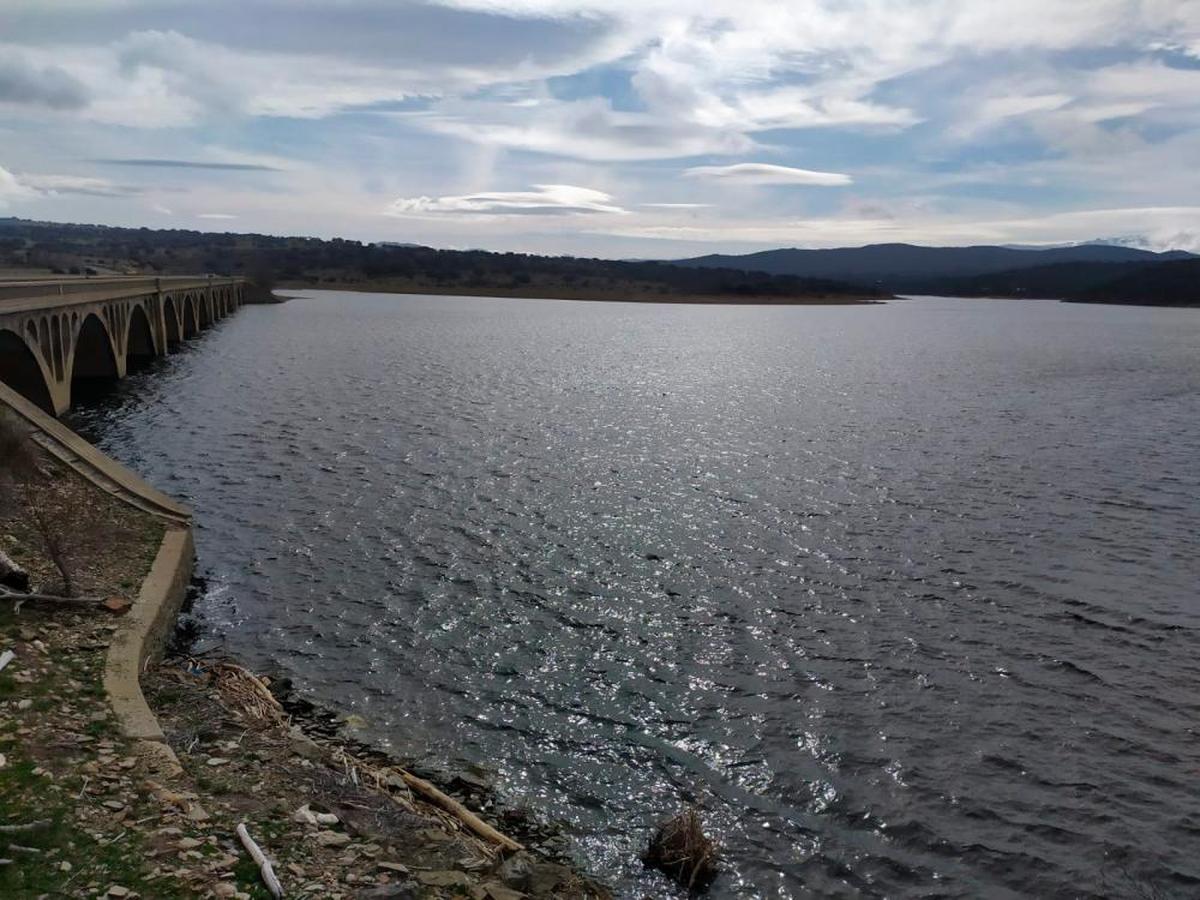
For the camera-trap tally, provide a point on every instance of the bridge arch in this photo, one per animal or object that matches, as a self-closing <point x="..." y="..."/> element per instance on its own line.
<point x="204" y="310"/>
<point x="21" y="371"/>
<point x="94" y="363"/>
<point x="191" y="322"/>
<point x="171" y="320"/>
<point x="140" y="346"/>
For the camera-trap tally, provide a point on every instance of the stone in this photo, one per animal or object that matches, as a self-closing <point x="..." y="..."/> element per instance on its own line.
<point x="117" y="890"/>
<point x="117" y="605"/>
<point x="496" y="891"/>
<point x="332" y="839"/>
<point x="197" y="813"/>
<point x="224" y="889"/>
<point x="545" y="877"/>
<point x="24" y="704"/>
<point x="302" y="745"/>
<point x="444" y="878"/>
<point x="188" y="843"/>
<point x="393" y="867"/>
<point x="515" y="870"/>
<point x="216" y="761"/>
<point x="405" y="890"/>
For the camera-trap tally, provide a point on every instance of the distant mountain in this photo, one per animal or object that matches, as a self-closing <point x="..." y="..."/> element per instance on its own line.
<point x="906" y="268"/>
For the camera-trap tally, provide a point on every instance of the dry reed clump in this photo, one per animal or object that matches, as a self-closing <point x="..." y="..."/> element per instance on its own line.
<point x="681" y="849"/>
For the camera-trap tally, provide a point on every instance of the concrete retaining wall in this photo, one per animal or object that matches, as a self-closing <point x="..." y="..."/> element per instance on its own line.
<point x="143" y="632"/>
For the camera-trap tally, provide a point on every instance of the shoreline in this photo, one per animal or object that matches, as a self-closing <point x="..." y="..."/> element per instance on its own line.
<point x="530" y="292"/>
<point x="173" y="776"/>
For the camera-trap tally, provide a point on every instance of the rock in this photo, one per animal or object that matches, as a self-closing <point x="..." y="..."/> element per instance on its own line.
<point x="515" y="870"/>
<point x="393" y="867"/>
<point x="24" y="704"/>
<point x="444" y="878"/>
<point x="302" y="745"/>
<point x="117" y="605"/>
<point x="216" y="761"/>
<point x="188" y="843"/>
<point x="224" y="889"/>
<point x="306" y="816"/>
<point x="117" y="890"/>
<point x="405" y="890"/>
<point x="114" y="804"/>
<point x="332" y="839"/>
<point x="197" y="813"/>
<point x="545" y="877"/>
<point x="476" y="781"/>
<point x="495" y="891"/>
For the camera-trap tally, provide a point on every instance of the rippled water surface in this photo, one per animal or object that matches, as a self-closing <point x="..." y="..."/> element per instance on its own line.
<point x="905" y="597"/>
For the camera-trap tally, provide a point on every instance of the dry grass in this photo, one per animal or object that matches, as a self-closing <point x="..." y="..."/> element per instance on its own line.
<point x="682" y="850"/>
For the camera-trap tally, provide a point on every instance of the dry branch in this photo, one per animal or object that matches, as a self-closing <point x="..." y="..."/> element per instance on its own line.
<point x="26" y="827"/>
<point x="20" y="597"/>
<point x="260" y="859"/>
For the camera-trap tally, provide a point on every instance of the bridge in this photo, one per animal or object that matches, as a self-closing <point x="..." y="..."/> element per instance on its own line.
<point x="59" y="335"/>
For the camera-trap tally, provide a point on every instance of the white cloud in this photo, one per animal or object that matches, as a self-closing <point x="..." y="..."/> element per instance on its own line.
<point x="29" y="186"/>
<point x="544" y="199"/>
<point x="1160" y="227"/>
<point x="766" y="173"/>
<point x="11" y="188"/>
<point x="77" y="184"/>
<point x="215" y="216"/>
<point x="581" y="129"/>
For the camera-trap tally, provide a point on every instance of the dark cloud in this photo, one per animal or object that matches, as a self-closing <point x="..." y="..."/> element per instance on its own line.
<point x="187" y="164"/>
<point x="49" y="86"/>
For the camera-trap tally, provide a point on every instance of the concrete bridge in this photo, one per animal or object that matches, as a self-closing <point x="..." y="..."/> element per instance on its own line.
<point x="59" y="335"/>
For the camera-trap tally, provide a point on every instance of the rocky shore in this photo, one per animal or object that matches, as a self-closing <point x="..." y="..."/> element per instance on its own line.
<point x="86" y="811"/>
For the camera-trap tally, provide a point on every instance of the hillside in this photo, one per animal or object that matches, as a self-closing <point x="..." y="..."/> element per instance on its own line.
<point x="905" y="268"/>
<point x="31" y="247"/>
<point x="1174" y="283"/>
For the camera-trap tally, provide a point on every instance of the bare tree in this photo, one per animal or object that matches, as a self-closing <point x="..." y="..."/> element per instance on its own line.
<point x="26" y="489"/>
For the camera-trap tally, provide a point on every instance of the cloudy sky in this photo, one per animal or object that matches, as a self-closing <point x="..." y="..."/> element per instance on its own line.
<point x="642" y="128"/>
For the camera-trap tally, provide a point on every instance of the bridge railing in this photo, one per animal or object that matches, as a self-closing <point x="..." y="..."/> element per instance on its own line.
<point x="51" y="288"/>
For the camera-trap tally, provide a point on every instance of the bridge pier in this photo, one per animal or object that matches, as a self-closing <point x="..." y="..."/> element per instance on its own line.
<point x="58" y="335"/>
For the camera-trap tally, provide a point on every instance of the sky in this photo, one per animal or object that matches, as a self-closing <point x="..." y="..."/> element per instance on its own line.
<point x="617" y="128"/>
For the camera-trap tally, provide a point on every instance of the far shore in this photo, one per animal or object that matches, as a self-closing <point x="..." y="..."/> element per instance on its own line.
<point x="536" y="292"/>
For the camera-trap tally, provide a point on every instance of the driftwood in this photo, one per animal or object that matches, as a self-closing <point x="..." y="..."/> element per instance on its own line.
<point x="253" y="695"/>
<point x="260" y="859"/>
<point x="452" y="806"/>
<point x="26" y="827"/>
<point x="22" y="597"/>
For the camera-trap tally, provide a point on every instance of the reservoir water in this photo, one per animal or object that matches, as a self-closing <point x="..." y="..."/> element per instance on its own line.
<point x="905" y="597"/>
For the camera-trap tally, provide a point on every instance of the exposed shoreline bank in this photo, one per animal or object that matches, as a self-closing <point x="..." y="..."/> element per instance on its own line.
<point x="173" y="776"/>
